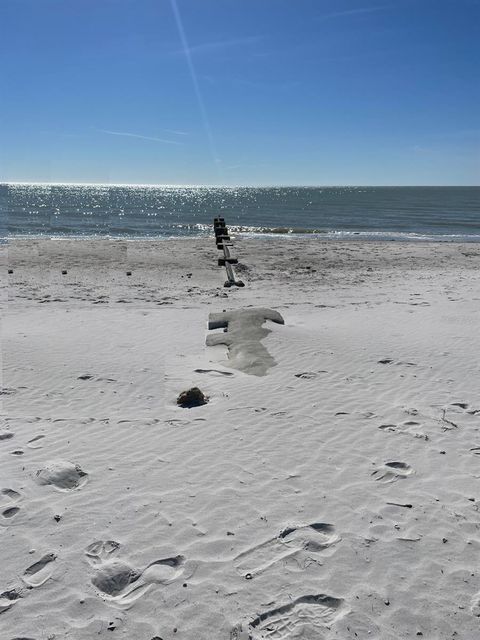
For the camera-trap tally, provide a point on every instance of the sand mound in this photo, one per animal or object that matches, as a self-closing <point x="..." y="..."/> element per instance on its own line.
<point x="243" y="335"/>
<point x="63" y="475"/>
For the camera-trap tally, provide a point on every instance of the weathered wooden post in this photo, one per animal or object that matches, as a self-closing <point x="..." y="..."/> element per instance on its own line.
<point x="223" y="242"/>
<point x="226" y="257"/>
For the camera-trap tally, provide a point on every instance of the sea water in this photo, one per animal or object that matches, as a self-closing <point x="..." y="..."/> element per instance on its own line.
<point x="145" y="211"/>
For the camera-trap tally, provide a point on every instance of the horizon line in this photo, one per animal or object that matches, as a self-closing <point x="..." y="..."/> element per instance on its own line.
<point x="228" y="186"/>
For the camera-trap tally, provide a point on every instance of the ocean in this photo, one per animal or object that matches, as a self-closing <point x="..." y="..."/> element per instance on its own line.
<point x="137" y="211"/>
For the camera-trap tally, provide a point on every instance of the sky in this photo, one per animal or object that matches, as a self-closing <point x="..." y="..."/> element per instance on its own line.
<point x="240" y="92"/>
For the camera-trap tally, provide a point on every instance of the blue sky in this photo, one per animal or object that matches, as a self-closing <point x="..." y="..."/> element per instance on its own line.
<point x="260" y="92"/>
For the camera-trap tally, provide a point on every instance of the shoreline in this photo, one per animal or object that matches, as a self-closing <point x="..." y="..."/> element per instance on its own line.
<point x="330" y="236"/>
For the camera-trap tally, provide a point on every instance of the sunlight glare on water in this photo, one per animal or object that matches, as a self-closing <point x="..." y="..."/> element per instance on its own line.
<point x="447" y="213"/>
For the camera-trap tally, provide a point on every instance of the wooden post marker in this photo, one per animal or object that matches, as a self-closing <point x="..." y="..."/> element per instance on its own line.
<point x="223" y="242"/>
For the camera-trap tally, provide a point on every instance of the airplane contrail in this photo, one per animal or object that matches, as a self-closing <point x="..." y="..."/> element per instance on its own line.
<point x="196" y="86"/>
<point x="137" y="135"/>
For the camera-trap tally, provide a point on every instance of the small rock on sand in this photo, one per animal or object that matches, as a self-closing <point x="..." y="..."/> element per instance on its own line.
<point x="192" y="398"/>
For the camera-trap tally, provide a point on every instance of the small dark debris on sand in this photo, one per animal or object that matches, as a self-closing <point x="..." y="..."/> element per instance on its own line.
<point x="398" y="504"/>
<point x="192" y="398"/>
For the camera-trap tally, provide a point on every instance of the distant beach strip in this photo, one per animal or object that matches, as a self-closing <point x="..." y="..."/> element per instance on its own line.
<point x="450" y="214"/>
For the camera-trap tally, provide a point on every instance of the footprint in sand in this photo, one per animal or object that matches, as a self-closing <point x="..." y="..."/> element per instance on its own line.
<point x="36" y="442"/>
<point x="392" y="471"/>
<point x="7" y="391"/>
<point x="476" y="605"/>
<point x="465" y="408"/>
<point x="397" y="362"/>
<point x="409" y="428"/>
<point x="399" y="427"/>
<point x="34" y="576"/>
<point x="38" y="573"/>
<point x="313" y="538"/>
<point x="8" y="599"/>
<point x="305" y="617"/>
<point x="214" y="371"/>
<point x="461" y="405"/>
<point x="8" y="498"/>
<point x="388" y="427"/>
<point x="63" y="475"/>
<point x="9" y="512"/>
<point x="306" y="375"/>
<point x="11" y="494"/>
<point x="101" y="550"/>
<point x="122" y="584"/>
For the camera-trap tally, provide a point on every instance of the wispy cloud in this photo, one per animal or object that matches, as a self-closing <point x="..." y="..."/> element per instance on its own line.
<point x="353" y="12"/>
<point x="176" y="132"/>
<point x="127" y="134"/>
<point x="218" y="45"/>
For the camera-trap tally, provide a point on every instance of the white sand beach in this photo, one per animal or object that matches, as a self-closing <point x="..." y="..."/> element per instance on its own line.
<point x="335" y="497"/>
